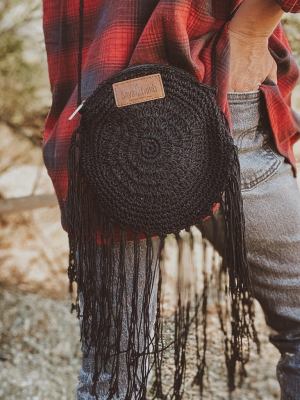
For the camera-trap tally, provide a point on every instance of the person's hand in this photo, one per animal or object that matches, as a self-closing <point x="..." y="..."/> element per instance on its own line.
<point x="250" y="62"/>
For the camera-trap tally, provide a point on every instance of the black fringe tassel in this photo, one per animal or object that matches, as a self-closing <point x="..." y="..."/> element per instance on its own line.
<point x="234" y="280"/>
<point x="104" y="289"/>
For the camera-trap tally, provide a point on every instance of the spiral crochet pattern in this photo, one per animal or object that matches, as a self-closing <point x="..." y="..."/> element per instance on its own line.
<point x="149" y="164"/>
<point x="158" y="167"/>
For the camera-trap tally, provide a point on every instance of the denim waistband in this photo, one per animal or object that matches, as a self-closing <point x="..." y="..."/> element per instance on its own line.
<point x="244" y="110"/>
<point x="241" y="97"/>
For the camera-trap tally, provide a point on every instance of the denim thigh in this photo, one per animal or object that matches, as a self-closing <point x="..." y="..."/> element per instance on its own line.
<point x="272" y="220"/>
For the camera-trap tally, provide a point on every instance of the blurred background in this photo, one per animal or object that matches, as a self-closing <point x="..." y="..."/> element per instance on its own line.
<point x="39" y="337"/>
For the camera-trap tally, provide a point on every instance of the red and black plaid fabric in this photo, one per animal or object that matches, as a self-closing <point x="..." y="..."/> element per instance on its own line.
<point x="289" y="5"/>
<point x="177" y="32"/>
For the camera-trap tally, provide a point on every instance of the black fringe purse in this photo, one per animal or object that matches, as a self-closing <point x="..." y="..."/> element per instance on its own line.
<point x="153" y="154"/>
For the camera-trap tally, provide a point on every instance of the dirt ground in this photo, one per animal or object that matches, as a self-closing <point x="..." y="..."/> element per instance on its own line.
<point x="40" y="353"/>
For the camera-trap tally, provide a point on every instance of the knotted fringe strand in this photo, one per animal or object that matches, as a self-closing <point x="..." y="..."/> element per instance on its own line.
<point x="182" y="325"/>
<point x="234" y="280"/>
<point x="190" y="304"/>
<point x="183" y="319"/>
<point x="157" y="388"/>
<point x="201" y="308"/>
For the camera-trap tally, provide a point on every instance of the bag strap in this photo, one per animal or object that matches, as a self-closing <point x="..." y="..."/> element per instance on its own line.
<point x="80" y="47"/>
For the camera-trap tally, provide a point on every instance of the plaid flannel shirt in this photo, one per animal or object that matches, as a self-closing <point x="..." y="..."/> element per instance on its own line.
<point x="119" y="33"/>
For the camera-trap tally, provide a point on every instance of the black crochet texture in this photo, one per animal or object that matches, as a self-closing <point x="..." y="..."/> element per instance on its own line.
<point x="157" y="167"/>
<point x="146" y="161"/>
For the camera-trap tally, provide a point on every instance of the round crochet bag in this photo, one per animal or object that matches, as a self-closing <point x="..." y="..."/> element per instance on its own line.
<point x="152" y="154"/>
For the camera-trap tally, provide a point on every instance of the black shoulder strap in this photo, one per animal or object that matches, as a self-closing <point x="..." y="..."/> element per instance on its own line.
<point x="80" y="46"/>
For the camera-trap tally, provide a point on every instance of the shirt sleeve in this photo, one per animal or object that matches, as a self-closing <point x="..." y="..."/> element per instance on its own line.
<point x="292" y="6"/>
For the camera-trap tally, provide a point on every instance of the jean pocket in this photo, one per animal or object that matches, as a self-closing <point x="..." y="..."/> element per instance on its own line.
<point x="258" y="157"/>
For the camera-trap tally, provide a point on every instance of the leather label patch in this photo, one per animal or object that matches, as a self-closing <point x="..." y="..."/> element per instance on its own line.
<point x="138" y="90"/>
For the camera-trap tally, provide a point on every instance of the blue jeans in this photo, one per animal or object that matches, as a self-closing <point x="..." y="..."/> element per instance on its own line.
<point x="272" y="220"/>
<point x="272" y="215"/>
